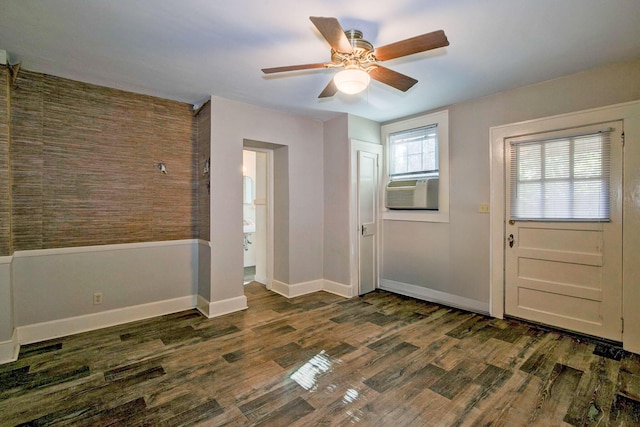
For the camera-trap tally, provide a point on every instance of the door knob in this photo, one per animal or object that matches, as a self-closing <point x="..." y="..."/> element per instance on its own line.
<point x="510" y="240"/>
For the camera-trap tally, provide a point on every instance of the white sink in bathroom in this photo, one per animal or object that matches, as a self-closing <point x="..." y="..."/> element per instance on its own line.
<point x="248" y="226"/>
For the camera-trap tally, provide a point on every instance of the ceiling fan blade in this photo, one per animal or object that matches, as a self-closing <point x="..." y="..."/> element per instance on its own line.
<point x="329" y="91"/>
<point x="392" y="78"/>
<point x="332" y="31"/>
<point x="413" y="45"/>
<point x="292" y="68"/>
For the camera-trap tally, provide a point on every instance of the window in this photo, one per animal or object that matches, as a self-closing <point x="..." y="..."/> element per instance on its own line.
<point x="562" y="178"/>
<point x="419" y="148"/>
<point x="414" y="153"/>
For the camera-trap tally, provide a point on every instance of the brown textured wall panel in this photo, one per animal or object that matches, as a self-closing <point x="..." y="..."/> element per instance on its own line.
<point x="85" y="166"/>
<point x="204" y="152"/>
<point x="5" y="237"/>
<point x="26" y="162"/>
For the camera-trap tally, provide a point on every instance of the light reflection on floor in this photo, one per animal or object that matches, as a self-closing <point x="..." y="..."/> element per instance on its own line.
<point x="308" y="374"/>
<point x="350" y="396"/>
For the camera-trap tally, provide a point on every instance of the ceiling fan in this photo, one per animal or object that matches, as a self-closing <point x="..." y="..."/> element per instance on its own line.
<point x="360" y="60"/>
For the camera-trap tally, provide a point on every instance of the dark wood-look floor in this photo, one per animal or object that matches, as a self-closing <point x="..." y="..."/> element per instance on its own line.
<point x="382" y="360"/>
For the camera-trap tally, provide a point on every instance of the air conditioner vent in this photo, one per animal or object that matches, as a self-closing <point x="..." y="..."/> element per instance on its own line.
<point x="412" y="194"/>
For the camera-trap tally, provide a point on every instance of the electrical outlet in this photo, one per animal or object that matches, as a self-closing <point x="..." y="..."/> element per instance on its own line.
<point x="97" y="298"/>
<point x="483" y="208"/>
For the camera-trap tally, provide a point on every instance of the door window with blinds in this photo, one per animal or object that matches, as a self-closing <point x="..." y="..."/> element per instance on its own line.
<point x="413" y="153"/>
<point x="561" y="178"/>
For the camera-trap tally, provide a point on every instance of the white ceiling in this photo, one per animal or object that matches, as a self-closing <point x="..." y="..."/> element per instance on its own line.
<point x="188" y="50"/>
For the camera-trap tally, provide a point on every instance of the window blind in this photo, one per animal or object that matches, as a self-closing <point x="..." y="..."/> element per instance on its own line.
<point x="414" y="152"/>
<point x="561" y="178"/>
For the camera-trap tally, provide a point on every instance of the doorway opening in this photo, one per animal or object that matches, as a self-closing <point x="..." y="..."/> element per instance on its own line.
<point x="254" y="215"/>
<point x="265" y="212"/>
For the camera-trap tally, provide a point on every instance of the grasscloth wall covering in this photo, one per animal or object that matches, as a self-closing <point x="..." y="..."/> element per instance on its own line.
<point x="4" y="164"/>
<point x="84" y="166"/>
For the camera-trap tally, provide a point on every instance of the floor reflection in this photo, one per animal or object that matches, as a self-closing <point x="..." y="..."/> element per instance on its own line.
<point x="307" y="374"/>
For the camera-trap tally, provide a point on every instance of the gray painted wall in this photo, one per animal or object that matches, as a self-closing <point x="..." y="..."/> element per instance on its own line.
<point x="281" y="214"/>
<point x="364" y="129"/>
<point x="204" y="270"/>
<point x="336" y="200"/>
<point x="203" y="144"/>
<point x="231" y="123"/>
<point x="337" y="181"/>
<point x="6" y="302"/>
<point x="454" y="257"/>
<point x="59" y="283"/>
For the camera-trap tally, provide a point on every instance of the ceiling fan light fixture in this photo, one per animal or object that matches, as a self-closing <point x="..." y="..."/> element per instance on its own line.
<point x="351" y="80"/>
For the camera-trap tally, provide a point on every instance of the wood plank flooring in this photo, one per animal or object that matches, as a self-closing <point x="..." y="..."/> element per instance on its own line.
<point x="320" y="360"/>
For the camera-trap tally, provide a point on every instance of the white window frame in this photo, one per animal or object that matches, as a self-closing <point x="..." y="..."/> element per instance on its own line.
<point x="441" y="119"/>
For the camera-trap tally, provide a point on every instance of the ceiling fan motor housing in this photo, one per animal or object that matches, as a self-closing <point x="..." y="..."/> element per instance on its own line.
<point x="362" y="54"/>
<point x="357" y="42"/>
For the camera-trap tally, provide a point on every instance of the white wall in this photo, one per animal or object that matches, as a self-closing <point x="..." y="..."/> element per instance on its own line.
<point x="453" y="258"/>
<point x="231" y="123"/>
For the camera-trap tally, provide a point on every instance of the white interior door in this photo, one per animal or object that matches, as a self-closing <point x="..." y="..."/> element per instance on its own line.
<point x="367" y="217"/>
<point x="567" y="273"/>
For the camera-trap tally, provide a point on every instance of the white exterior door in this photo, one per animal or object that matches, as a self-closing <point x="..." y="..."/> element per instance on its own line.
<point x="567" y="273"/>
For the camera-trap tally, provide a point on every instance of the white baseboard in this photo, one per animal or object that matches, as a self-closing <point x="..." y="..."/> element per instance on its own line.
<point x="280" y="288"/>
<point x="435" y="296"/>
<point x="73" y="325"/>
<point x="297" y="289"/>
<point x="337" y="288"/>
<point x="220" y="308"/>
<point x="304" y="288"/>
<point x="261" y="279"/>
<point x="202" y="305"/>
<point x="9" y="349"/>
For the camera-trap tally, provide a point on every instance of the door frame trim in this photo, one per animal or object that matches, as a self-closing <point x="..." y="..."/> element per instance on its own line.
<point x="354" y="249"/>
<point x="629" y="112"/>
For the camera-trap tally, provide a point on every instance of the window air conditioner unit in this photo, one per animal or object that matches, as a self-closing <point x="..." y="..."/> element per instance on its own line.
<point x="412" y="194"/>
